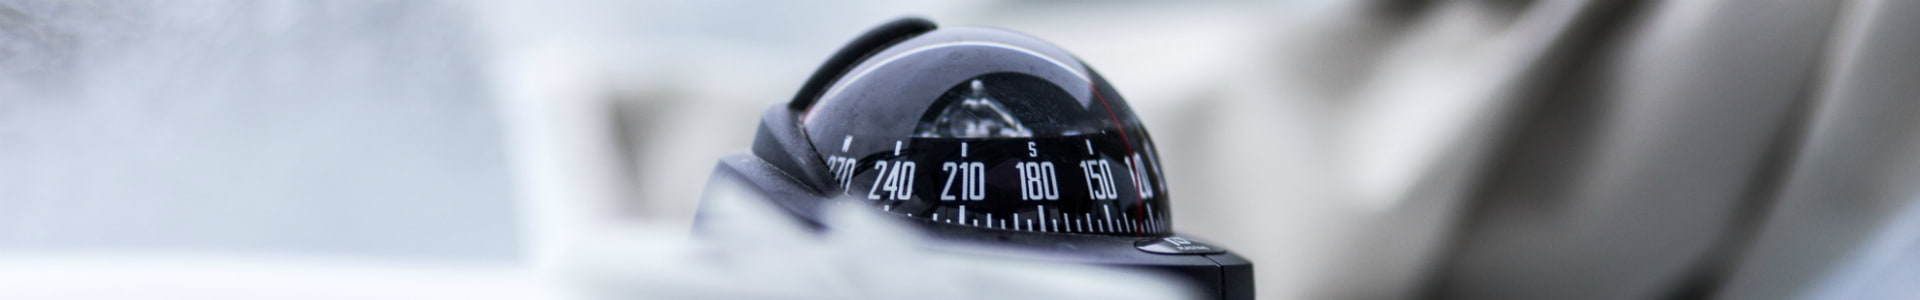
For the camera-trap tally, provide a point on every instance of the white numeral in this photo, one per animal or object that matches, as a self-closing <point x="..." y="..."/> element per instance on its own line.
<point x="1140" y="176"/>
<point x="897" y="182"/>
<point x="1099" y="179"/>
<point x="842" y="169"/>
<point x="1037" y="181"/>
<point x="973" y="181"/>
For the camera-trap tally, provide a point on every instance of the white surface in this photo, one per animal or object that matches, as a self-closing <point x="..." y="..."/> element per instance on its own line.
<point x="200" y="275"/>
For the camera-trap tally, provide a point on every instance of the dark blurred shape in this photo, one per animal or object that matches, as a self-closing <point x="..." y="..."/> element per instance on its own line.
<point x="1687" y="149"/>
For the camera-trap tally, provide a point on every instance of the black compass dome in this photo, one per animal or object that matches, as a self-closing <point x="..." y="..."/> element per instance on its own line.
<point x="989" y="128"/>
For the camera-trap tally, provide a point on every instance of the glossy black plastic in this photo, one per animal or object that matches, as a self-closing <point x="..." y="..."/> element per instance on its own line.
<point x="892" y="97"/>
<point x="1075" y="159"/>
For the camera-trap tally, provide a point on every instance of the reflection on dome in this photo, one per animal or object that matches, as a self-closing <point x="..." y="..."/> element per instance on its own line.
<point x="976" y="116"/>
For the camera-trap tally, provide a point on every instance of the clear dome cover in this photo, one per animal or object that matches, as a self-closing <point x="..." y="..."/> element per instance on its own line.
<point x="990" y="135"/>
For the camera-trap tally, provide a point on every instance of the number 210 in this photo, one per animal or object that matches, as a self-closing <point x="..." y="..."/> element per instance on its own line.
<point x="973" y="181"/>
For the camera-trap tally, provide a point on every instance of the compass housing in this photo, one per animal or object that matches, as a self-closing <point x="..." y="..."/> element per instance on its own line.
<point x="989" y="128"/>
<point x="984" y="138"/>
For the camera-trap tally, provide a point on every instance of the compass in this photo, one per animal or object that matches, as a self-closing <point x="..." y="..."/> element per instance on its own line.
<point x="982" y="137"/>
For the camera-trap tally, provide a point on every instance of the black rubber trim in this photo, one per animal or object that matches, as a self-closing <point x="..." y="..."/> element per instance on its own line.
<point x="867" y="44"/>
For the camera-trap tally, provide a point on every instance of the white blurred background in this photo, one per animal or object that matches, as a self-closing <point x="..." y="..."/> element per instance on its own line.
<point x="473" y="149"/>
<point x="415" y="146"/>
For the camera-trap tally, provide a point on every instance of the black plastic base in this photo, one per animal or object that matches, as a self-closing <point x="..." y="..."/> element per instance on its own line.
<point x="1214" y="276"/>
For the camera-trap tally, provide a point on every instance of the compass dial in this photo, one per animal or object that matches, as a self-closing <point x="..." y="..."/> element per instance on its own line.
<point x="1044" y="146"/>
